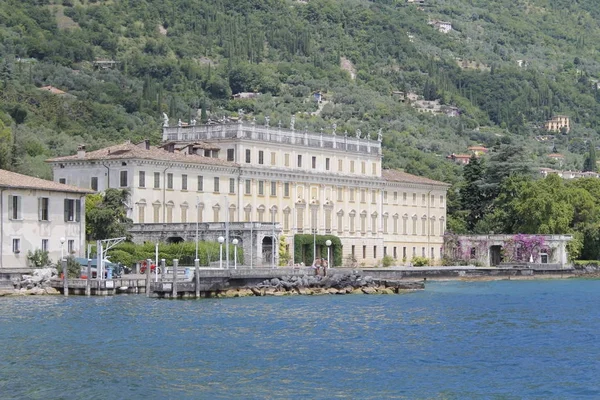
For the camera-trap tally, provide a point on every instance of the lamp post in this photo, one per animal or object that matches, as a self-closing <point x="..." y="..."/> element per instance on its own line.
<point x="328" y="243"/>
<point x="235" y="243"/>
<point x="62" y="243"/>
<point x="197" y="223"/>
<point x="221" y="240"/>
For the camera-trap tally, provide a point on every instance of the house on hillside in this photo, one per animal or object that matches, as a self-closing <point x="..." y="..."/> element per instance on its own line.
<point x="102" y="63"/>
<point x="462" y="159"/>
<point x="544" y="172"/>
<point x="558" y="123"/>
<point x="246" y="95"/>
<point x="36" y="214"/>
<point x="442" y="26"/>
<point x="478" y="150"/>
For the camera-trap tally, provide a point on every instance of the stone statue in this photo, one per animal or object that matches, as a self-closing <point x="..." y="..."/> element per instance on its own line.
<point x="165" y="120"/>
<point x="253" y="120"/>
<point x="369" y="135"/>
<point x="334" y="128"/>
<point x="267" y="118"/>
<point x="279" y="124"/>
<point x="293" y="122"/>
<point x="358" y="133"/>
<point x="241" y="114"/>
<point x="379" y="135"/>
<point x="193" y="122"/>
<point x="179" y="123"/>
<point x="346" y="133"/>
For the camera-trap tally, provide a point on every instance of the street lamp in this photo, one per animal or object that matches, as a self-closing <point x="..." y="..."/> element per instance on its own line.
<point x="328" y="243"/>
<point x="62" y="242"/>
<point x="221" y="240"/>
<point x="197" y="222"/>
<point x="235" y="243"/>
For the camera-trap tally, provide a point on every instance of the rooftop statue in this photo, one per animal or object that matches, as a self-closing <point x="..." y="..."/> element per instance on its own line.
<point x="165" y="120"/>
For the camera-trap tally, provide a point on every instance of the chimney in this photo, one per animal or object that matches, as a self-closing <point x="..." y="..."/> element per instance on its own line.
<point x="81" y="151"/>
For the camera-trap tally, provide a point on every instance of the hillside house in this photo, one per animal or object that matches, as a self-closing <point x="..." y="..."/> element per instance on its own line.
<point x="558" y="123"/>
<point x="442" y="26"/>
<point x="462" y="159"/>
<point x="246" y="95"/>
<point x="478" y="150"/>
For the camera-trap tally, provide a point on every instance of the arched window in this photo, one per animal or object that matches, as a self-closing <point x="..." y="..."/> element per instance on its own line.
<point x="184" y="212"/>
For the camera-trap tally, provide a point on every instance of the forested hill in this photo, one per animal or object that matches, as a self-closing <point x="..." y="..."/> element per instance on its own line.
<point x="506" y="65"/>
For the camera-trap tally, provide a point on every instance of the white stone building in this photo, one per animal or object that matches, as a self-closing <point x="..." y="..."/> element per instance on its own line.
<point x="305" y="182"/>
<point x="36" y="214"/>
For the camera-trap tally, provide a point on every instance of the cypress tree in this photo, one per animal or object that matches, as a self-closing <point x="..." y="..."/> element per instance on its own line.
<point x="590" y="162"/>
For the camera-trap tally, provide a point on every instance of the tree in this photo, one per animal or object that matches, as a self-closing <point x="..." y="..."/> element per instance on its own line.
<point x="590" y="161"/>
<point x="471" y="195"/>
<point x="108" y="218"/>
<point x="5" y="146"/>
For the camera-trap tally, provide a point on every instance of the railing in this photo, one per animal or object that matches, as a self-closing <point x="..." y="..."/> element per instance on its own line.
<point x="270" y="134"/>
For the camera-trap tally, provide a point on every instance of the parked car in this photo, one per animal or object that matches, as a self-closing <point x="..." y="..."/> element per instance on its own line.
<point x="117" y="269"/>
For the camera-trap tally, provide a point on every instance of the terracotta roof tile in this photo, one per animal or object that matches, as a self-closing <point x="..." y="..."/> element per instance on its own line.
<point x="129" y="150"/>
<point x="394" y="175"/>
<point x="10" y="179"/>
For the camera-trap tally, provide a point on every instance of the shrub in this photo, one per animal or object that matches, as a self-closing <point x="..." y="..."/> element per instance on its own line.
<point x="38" y="259"/>
<point x="419" y="261"/>
<point x="387" y="261"/>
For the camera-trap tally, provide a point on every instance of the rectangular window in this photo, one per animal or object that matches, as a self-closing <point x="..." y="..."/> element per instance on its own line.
<point x="62" y="180"/>
<point x="395" y="196"/>
<point x="183" y="182"/>
<point x="44" y="244"/>
<point x="432" y="203"/>
<point x="364" y="251"/>
<point x="374" y="251"/>
<point x="363" y="168"/>
<point x="94" y="183"/>
<point x="441" y="201"/>
<point x="16" y="246"/>
<point x="230" y="155"/>
<point x="287" y="160"/>
<point x="404" y="253"/>
<point x="363" y="196"/>
<point x="340" y="194"/>
<point x="299" y="161"/>
<point x="142" y="179"/>
<point x="273" y="158"/>
<point x="72" y="210"/>
<point x="353" y="251"/>
<point x="169" y="181"/>
<point x="373" y="196"/>
<point x="261" y="188"/>
<point x="327" y="164"/>
<point x="385" y="196"/>
<point x="351" y="194"/>
<point x="286" y="189"/>
<point x="200" y="183"/>
<point x="404" y="197"/>
<point x="314" y="162"/>
<point x="156" y="180"/>
<point x="414" y="199"/>
<point x="44" y="208"/>
<point x="231" y="185"/>
<point x="70" y="246"/>
<point x="248" y="186"/>
<point x="423" y="200"/>
<point x="261" y="157"/>
<point x="351" y="166"/>
<point x="14" y="207"/>
<point x="216" y="185"/>
<point x="340" y="165"/>
<point x="248" y="156"/>
<point x="273" y="188"/>
<point x="374" y="168"/>
<point x="123" y="179"/>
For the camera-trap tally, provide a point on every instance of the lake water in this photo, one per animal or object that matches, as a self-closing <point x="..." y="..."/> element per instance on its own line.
<point x="455" y="340"/>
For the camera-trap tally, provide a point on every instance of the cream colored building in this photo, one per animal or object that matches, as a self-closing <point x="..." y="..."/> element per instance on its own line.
<point x="242" y="172"/>
<point x="557" y="123"/>
<point x="36" y="214"/>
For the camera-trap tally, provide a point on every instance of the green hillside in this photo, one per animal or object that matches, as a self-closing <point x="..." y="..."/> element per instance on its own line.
<point x="178" y="56"/>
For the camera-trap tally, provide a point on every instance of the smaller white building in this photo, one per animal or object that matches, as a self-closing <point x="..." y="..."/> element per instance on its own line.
<point x="35" y="214"/>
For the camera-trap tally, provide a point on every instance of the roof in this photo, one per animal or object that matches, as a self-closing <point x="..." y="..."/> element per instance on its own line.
<point x="126" y="151"/>
<point x="13" y="180"/>
<point x="477" y="148"/>
<point x="394" y="175"/>
<point x="556" y="155"/>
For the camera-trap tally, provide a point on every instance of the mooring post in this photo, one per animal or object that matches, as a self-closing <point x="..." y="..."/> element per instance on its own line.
<point x="197" y="276"/>
<point x="88" y="282"/>
<point x="163" y="267"/>
<point x="65" y="277"/>
<point x="148" y="268"/>
<point x="175" y="264"/>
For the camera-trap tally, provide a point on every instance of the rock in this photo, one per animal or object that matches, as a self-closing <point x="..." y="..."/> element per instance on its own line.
<point x="6" y="293"/>
<point x="335" y="291"/>
<point x="256" y="291"/>
<point x="357" y="291"/>
<point x="245" y="292"/>
<point x="51" y="290"/>
<point x="36" y="291"/>
<point x="269" y="292"/>
<point x="275" y="282"/>
<point x="369" y="290"/>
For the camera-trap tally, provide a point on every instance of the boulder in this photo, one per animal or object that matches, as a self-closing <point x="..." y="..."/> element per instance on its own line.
<point x="51" y="290"/>
<point x="256" y="291"/>
<point x="369" y="290"/>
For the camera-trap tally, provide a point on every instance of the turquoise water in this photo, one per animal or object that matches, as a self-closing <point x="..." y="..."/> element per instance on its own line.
<point x="455" y="340"/>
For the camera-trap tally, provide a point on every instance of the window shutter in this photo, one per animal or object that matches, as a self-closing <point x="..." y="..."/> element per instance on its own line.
<point x="77" y="210"/>
<point x="39" y="208"/>
<point x="10" y="206"/>
<point x="66" y="210"/>
<point x="19" y="208"/>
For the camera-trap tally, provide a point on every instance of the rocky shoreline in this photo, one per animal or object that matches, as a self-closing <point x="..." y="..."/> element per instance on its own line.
<point x="321" y="285"/>
<point x="36" y="284"/>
